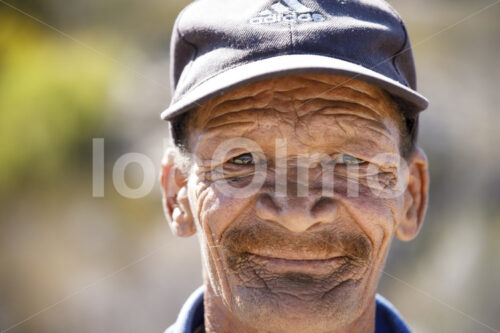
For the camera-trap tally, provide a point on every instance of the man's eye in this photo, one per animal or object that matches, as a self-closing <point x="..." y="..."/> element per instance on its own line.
<point x="347" y="160"/>
<point x="243" y="159"/>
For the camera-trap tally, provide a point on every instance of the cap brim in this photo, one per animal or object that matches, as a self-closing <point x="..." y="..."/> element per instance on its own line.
<point x="285" y="65"/>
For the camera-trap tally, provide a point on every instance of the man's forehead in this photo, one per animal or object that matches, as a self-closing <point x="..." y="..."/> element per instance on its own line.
<point x="297" y="95"/>
<point x="318" y="112"/>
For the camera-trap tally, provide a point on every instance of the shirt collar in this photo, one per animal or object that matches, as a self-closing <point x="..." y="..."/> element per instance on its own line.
<point x="190" y="318"/>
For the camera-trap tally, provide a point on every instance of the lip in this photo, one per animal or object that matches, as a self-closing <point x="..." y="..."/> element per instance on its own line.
<point x="306" y="266"/>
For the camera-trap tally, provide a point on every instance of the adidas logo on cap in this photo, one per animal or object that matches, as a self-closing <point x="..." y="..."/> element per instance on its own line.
<point x="294" y="11"/>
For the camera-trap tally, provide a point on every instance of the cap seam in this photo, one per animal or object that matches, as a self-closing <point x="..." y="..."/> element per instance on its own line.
<point x="394" y="57"/>
<point x="185" y="40"/>
<point x="399" y="51"/>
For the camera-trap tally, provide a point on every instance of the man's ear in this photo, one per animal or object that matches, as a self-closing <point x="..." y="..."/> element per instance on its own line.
<point x="415" y="197"/>
<point x="175" y="199"/>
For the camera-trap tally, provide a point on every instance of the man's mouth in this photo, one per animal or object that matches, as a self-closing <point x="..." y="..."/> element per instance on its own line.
<point x="264" y="253"/>
<point x="300" y="264"/>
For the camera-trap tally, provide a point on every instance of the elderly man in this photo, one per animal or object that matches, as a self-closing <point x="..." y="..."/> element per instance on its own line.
<point x="295" y="161"/>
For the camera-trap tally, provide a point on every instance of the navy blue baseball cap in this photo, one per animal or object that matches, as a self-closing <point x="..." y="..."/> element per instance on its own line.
<point x="219" y="45"/>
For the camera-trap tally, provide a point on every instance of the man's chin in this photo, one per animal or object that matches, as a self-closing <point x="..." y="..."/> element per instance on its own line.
<point x="296" y="303"/>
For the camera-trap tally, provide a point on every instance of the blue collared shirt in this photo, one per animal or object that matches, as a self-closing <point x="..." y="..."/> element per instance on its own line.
<point x="190" y="319"/>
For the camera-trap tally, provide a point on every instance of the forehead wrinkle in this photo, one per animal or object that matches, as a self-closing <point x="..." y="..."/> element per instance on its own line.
<point x="257" y="96"/>
<point x="249" y="108"/>
<point x="324" y="84"/>
<point x="316" y="89"/>
<point x="232" y="103"/>
<point x="290" y="98"/>
<point x="293" y="97"/>
<point x="366" y="121"/>
<point x="345" y="127"/>
<point x="347" y="116"/>
<point x="342" y="94"/>
<point x="339" y="88"/>
<point x="238" y="117"/>
<point x="331" y="107"/>
<point x="333" y="82"/>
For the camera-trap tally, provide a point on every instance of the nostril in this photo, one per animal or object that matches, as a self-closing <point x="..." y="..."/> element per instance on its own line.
<point x="297" y="214"/>
<point x="266" y="207"/>
<point x="322" y="205"/>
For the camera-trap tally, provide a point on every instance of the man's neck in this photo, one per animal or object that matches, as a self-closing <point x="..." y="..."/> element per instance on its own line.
<point x="219" y="319"/>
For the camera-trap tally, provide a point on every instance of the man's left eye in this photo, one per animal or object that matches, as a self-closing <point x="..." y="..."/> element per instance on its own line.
<point x="243" y="159"/>
<point x="347" y="160"/>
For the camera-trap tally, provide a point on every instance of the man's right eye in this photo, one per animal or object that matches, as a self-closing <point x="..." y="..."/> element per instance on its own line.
<point x="243" y="159"/>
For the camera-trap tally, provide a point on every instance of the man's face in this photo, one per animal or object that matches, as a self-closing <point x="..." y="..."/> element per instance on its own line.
<point x="302" y="251"/>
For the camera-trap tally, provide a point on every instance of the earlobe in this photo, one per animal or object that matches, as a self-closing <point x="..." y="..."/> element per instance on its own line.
<point x="415" y="197"/>
<point x="175" y="200"/>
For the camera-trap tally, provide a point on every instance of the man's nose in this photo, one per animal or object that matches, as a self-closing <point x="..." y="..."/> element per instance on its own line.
<point x="296" y="213"/>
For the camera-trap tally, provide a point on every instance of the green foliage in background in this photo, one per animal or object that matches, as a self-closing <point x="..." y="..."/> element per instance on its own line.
<point x="53" y="97"/>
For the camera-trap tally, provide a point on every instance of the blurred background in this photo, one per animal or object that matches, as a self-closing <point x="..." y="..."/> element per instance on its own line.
<point x="72" y="262"/>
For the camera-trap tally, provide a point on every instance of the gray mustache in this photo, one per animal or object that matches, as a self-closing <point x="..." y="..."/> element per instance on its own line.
<point x="245" y="238"/>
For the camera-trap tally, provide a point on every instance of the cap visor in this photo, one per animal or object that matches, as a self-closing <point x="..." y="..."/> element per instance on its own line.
<point x="285" y="65"/>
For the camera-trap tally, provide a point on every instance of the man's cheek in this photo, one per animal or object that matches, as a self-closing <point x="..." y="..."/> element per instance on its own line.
<point x="216" y="210"/>
<point x="377" y="217"/>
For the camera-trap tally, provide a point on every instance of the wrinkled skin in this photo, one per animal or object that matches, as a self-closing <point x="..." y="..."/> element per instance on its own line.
<point x="276" y="260"/>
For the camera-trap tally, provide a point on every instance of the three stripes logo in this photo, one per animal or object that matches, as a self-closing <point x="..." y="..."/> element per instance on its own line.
<point x="290" y="11"/>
